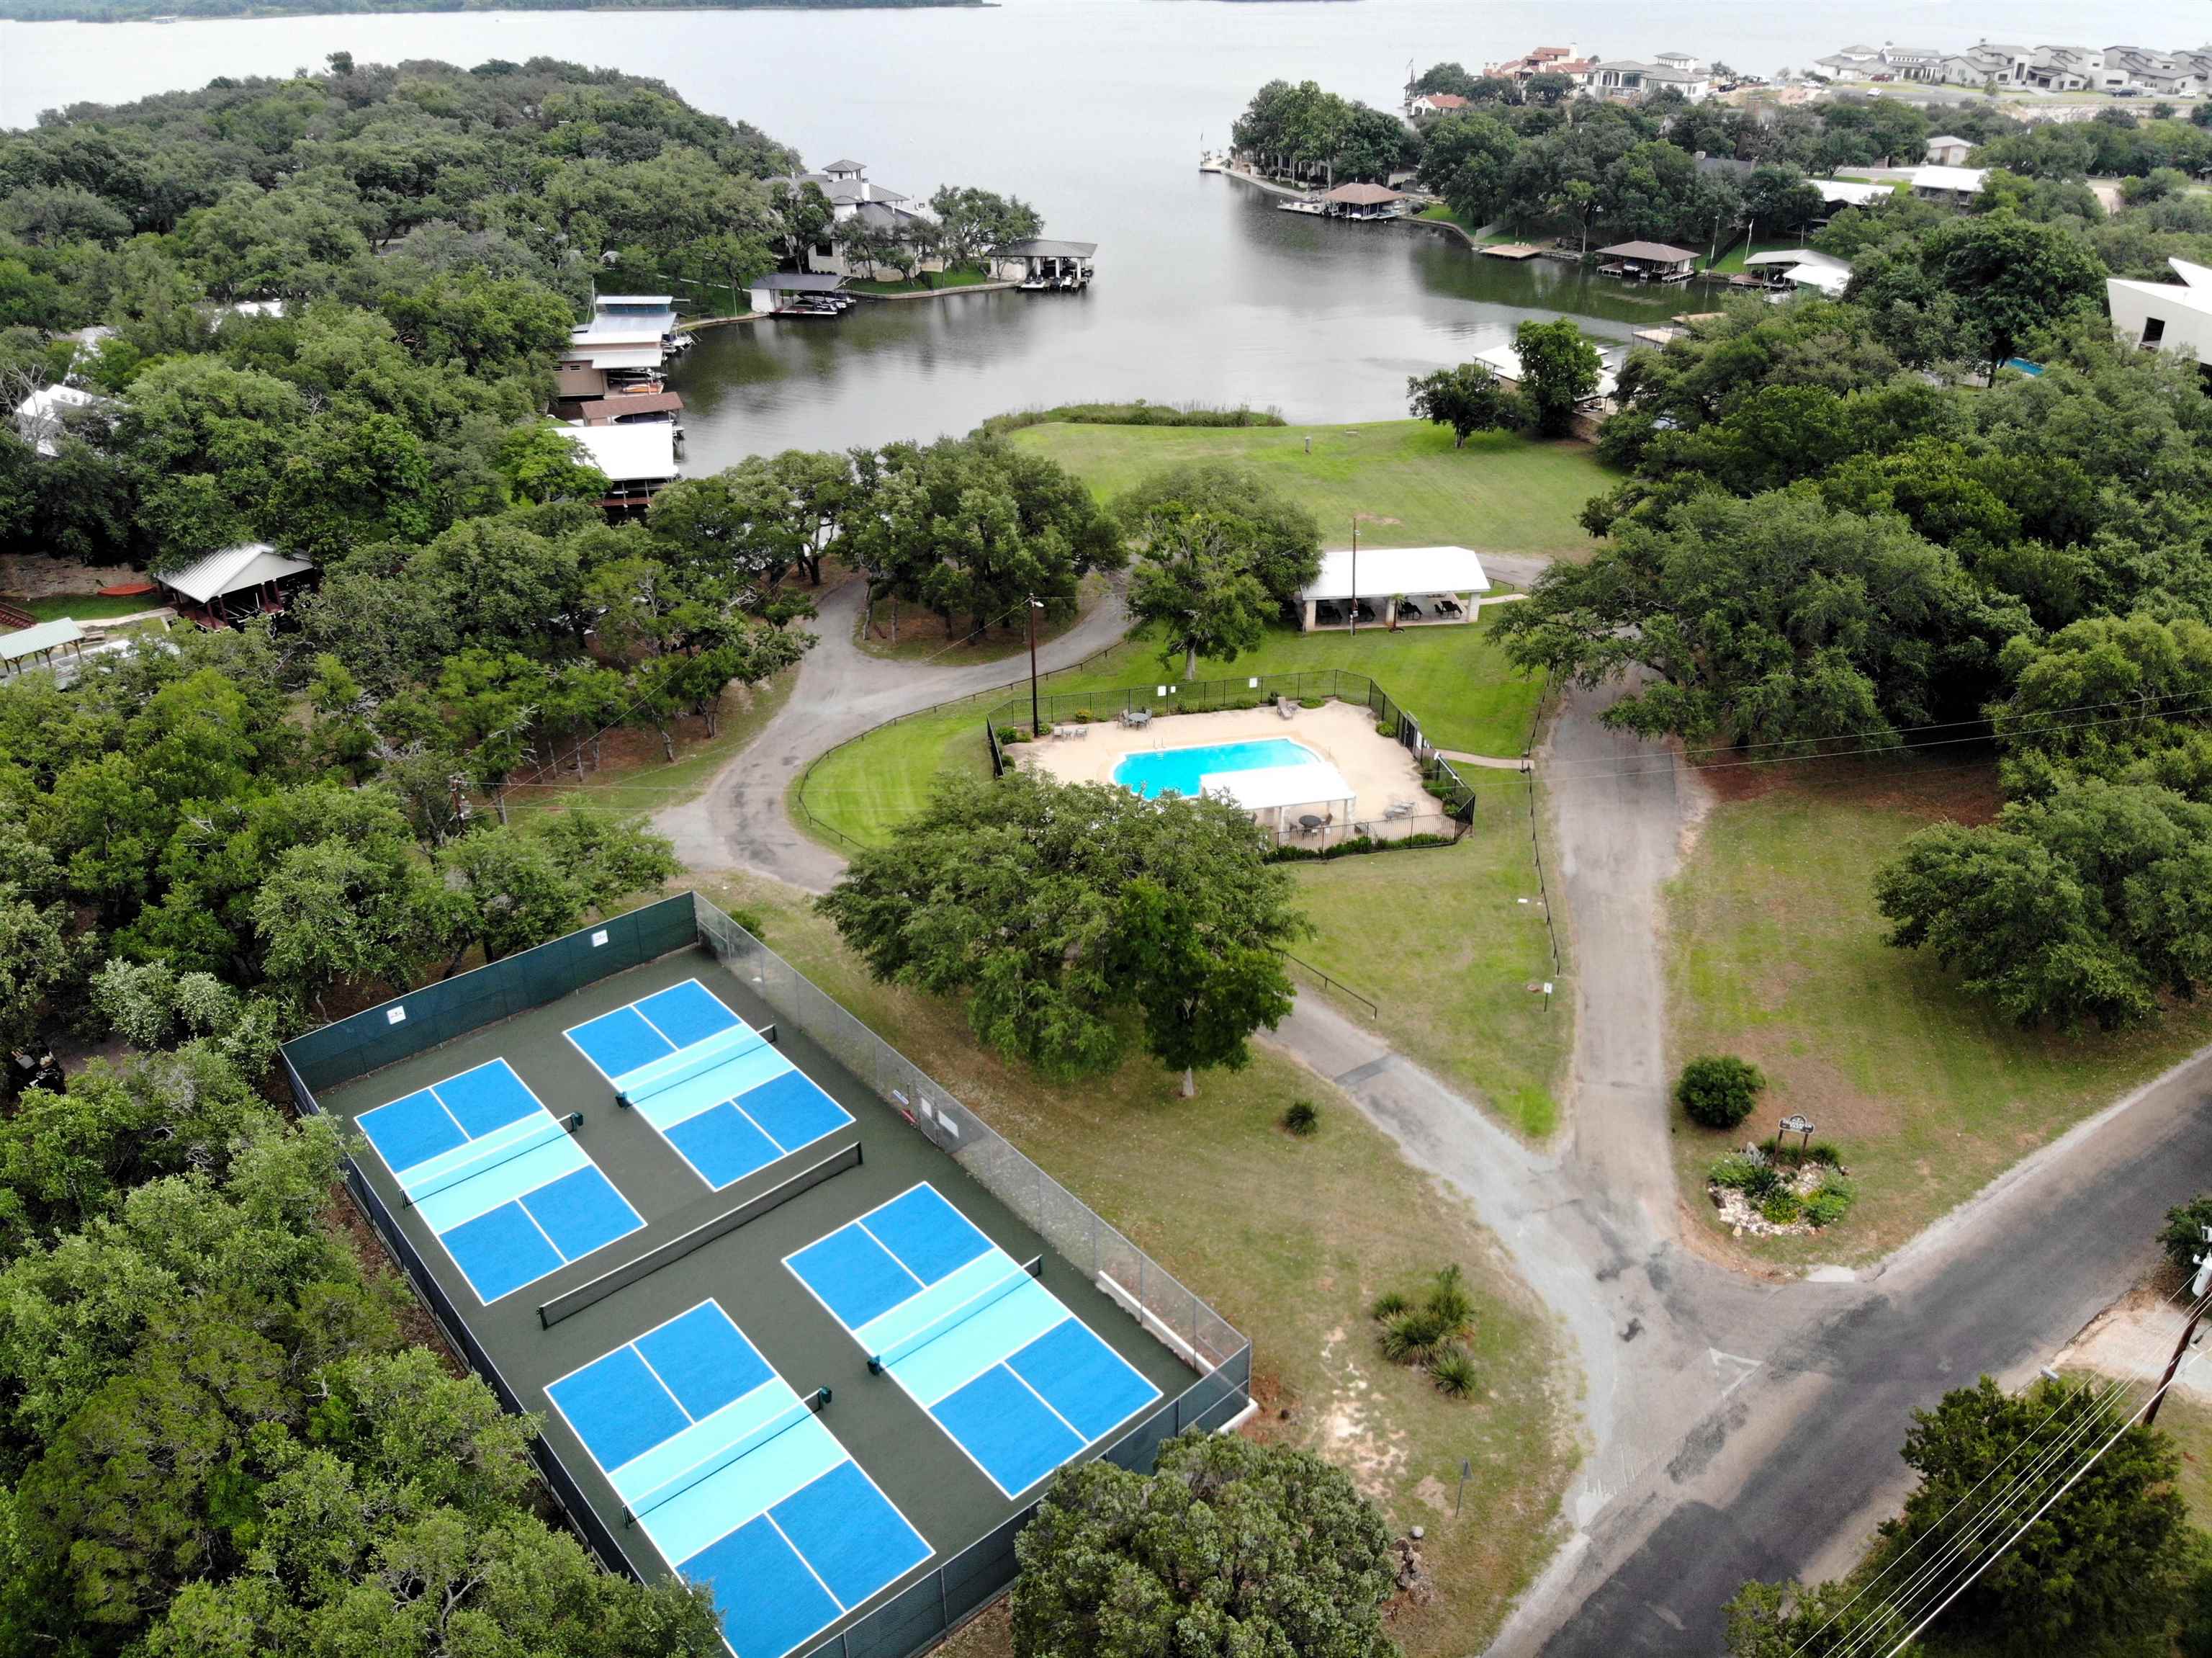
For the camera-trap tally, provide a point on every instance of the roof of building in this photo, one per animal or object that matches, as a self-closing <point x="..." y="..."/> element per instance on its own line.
<point x="2196" y="276"/>
<point x="628" y="454"/>
<point x="245" y="565"/>
<point x="1039" y="248"/>
<point x="800" y="282"/>
<point x="845" y="167"/>
<point x="1947" y="139"/>
<point x="1658" y="251"/>
<point x="602" y="300"/>
<point x="1364" y="195"/>
<point x="1386" y="571"/>
<point x="1966" y="179"/>
<point x="38" y="416"/>
<point x="1808" y="267"/>
<point x="46" y="635"/>
<point x="1852" y="192"/>
<point x="1504" y="362"/>
<point x="599" y="355"/>
<point x="619" y="332"/>
<point x="2189" y="299"/>
<point x="606" y="411"/>
<point x="1312" y="782"/>
<point x="1443" y="100"/>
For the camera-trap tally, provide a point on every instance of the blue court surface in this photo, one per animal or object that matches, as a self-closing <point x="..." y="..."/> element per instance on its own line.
<point x="736" y="1481"/>
<point x="499" y="1179"/>
<point x="1019" y="1382"/>
<point x="715" y="1089"/>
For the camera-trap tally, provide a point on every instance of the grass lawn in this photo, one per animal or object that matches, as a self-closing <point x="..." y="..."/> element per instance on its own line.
<point x="1502" y="493"/>
<point x="1289" y="1240"/>
<point x="922" y="635"/>
<point x="87" y="606"/>
<point x="1731" y="262"/>
<point x="1775" y="952"/>
<point x="1442" y="942"/>
<point x="935" y="281"/>
<point x="634" y="777"/>
<point x="1455" y="679"/>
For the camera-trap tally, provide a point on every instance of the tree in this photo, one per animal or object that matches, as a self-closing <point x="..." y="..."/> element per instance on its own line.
<point x="1284" y="544"/>
<point x="1468" y="398"/>
<point x="327" y="915"/>
<point x="2012" y="278"/>
<point x="512" y="893"/>
<point x="607" y="857"/>
<point x="2108" y="1560"/>
<point x="1220" y="554"/>
<point x="1558" y="370"/>
<point x="1229" y="1547"/>
<point x="1058" y="908"/>
<point x="1719" y="1090"/>
<point x="1465" y="158"/>
<point x="2183" y="1237"/>
<point x="540" y="464"/>
<point x="1790" y="1620"/>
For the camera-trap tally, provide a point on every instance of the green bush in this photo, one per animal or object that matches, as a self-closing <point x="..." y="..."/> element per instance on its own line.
<point x="1448" y="1301"/>
<point x="2183" y="1236"/>
<point x="1387" y="1306"/>
<point x="1454" y="1371"/>
<point x="1719" y="1090"/>
<point x="1780" y="1207"/>
<point x="1765" y="1180"/>
<point x="1301" y="1119"/>
<point x="1832" y="1201"/>
<point x="1735" y="1171"/>
<point x="1139" y="413"/>
<point x="1412" y="1336"/>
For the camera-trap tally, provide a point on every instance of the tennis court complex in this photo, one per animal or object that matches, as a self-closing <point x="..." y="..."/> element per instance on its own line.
<point x="737" y="1480"/>
<point x="1019" y="1381"/>
<point x="498" y="1178"/>
<point x="798" y="1326"/>
<point x="717" y="1090"/>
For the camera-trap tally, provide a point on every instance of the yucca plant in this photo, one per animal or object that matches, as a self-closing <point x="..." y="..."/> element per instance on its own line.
<point x="1301" y="1119"/>
<point x="1387" y="1305"/>
<point x="1454" y="1371"/>
<point x="1448" y="1301"/>
<point x="1412" y="1336"/>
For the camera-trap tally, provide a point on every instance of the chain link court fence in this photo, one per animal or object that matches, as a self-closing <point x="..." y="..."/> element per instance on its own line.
<point x="961" y="1586"/>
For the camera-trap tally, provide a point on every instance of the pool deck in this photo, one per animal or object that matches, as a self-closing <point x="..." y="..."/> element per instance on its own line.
<point x="1378" y="768"/>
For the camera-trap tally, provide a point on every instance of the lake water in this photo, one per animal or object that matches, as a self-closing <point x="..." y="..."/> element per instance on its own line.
<point x="1094" y="110"/>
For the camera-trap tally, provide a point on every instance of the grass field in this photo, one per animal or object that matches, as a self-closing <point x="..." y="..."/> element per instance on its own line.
<point x="936" y="282"/>
<point x="1442" y="941"/>
<point x="1731" y="262"/>
<point x="1502" y="493"/>
<point x="1776" y="953"/>
<point x="1455" y="679"/>
<point x="1289" y="1240"/>
<point x="87" y="606"/>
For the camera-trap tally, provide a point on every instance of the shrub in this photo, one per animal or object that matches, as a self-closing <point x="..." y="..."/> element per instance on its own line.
<point x="1719" y="1090"/>
<point x="1832" y="1201"/>
<point x="1412" y="1336"/>
<point x="1387" y="1306"/>
<point x="1301" y="1119"/>
<point x="1448" y="1301"/>
<point x="1384" y="728"/>
<point x="1780" y="1207"/>
<point x="1735" y="1171"/>
<point x="2183" y="1236"/>
<point x="1455" y="1373"/>
<point x="1765" y="1182"/>
<point x="1010" y="734"/>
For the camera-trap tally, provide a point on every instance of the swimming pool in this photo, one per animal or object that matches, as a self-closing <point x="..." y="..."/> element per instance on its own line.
<point x="1155" y="771"/>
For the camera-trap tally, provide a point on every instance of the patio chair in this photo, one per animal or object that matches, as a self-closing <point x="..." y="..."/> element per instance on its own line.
<point x="1408" y="608"/>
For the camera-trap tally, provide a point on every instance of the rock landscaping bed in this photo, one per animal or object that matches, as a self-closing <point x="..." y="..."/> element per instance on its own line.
<point x="1763" y="1193"/>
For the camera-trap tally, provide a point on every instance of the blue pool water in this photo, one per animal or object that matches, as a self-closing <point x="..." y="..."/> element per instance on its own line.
<point x="1158" y="771"/>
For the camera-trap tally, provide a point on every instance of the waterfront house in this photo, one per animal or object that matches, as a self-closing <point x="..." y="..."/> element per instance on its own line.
<point x="798" y="294"/>
<point x="226" y="587"/>
<point x="628" y="315"/>
<point x="1837" y="194"/>
<point x="1851" y="64"/>
<point x="1802" y="267"/>
<point x="1647" y="261"/>
<point x="2165" y="316"/>
<point x="638" y="460"/>
<point x="1435" y="103"/>
<point x="603" y="367"/>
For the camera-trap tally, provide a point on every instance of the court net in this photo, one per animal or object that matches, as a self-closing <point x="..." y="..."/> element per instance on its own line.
<point x="663" y="1074"/>
<point x="950" y="1319"/>
<point x="777" y="1425"/>
<point x="544" y="1135"/>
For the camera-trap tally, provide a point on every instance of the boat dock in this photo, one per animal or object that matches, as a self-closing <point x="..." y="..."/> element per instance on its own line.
<point x="1511" y="250"/>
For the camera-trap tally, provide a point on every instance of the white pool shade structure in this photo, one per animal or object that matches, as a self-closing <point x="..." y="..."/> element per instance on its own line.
<point x="1428" y="577"/>
<point x="1276" y="796"/>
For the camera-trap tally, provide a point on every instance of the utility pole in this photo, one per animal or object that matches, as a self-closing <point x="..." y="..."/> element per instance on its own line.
<point x="2197" y="1286"/>
<point x="1354" y="611"/>
<point x="1037" y="725"/>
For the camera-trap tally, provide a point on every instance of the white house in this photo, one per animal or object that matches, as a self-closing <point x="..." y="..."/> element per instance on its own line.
<point x="1837" y="194"/>
<point x="1945" y="150"/>
<point x="2163" y="316"/>
<point x="1955" y="185"/>
<point x="638" y="459"/>
<point x="41" y="418"/>
<point x="1435" y="103"/>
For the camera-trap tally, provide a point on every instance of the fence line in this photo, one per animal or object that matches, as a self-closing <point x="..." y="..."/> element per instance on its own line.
<point x="1336" y="984"/>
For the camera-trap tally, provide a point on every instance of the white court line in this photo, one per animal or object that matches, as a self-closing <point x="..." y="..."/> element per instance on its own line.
<point x="904" y="1267"/>
<point x="433" y="1091"/>
<point x="1040" y="1398"/>
<point x="674" y="1046"/>
<point x="673" y="1319"/>
<point x="928" y="1404"/>
<point x="797" y="1555"/>
<point x="541" y="1232"/>
<point x="687" y="1418"/>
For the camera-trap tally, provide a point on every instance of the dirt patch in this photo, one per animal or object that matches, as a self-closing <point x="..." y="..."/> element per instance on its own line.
<point x="345" y="1218"/>
<point x="1432" y="1491"/>
<point x="1374" y="1456"/>
<point x="2134" y="1338"/>
<point x="1810" y="1086"/>
<point x="38" y="575"/>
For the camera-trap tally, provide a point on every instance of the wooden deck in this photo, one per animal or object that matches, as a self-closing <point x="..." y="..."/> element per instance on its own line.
<point x="1511" y="250"/>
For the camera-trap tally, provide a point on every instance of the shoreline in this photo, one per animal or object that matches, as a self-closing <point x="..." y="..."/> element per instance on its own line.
<point x="266" y="15"/>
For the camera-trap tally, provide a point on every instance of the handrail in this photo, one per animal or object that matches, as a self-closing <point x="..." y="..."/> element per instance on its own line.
<point x="1374" y="1011"/>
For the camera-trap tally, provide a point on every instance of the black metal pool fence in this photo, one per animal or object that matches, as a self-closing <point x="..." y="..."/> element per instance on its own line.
<point x="962" y="1585"/>
<point x="1313" y="687"/>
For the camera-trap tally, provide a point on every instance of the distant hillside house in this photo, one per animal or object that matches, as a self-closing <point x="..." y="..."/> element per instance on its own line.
<point x="41" y="419"/>
<point x="1951" y="186"/>
<point x="1945" y="150"/>
<point x="1436" y="103"/>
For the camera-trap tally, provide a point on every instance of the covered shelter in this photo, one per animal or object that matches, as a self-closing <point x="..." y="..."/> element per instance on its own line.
<point x="1803" y="267"/>
<point x="1398" y="587"/>
<point x="225" y="588"/>
<point x="1647" y="261"/>
<point x="1504" y="360"/>
<point x="592" y="367"/>
<point x="773" y="294"/>
<point x="638" y="460"/>
<point x="34" y="646"/>
<point x="1363" y="201"/>
<point x="1045" y="263"/>
<point x="624" y="408"/>
<point x="1308" y="798"/>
